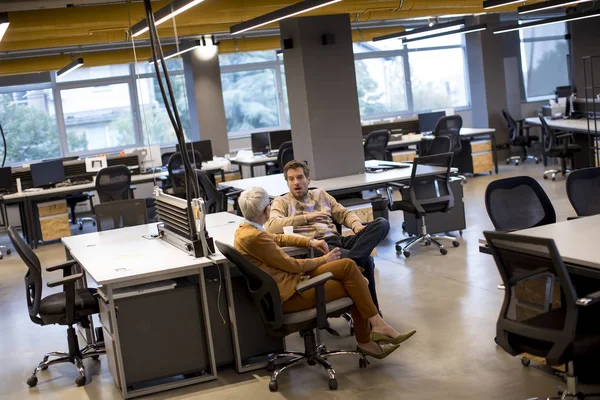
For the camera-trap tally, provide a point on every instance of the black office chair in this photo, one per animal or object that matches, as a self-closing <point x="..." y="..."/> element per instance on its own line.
<point x="450" y="127"/>
<point x="73" y="200"/>
<point x="375" y="146"/>
<point x="215" y="199"/>
<point x="439" y="145"/>
<point x="428" y="194"/>
<point x="518" y="203"/>
<point x="114" y="183"/>
<point x="176" y="170"/>
<point x="558" y="144"/>
<point x="121" y="214"/>
<point x="519" y="137"/>
<point x="164" y="158"/>
<point x="565" y="334"/>
<point x="266" y="297"/>
<point x="69" y="307"/>
<point x="285" y="155"/>
<point x="583" y="190"/>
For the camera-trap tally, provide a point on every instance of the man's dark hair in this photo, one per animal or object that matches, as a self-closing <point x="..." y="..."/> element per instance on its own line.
<point x="296" y="164"/>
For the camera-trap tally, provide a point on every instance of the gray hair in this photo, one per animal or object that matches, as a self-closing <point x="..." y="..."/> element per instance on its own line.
<point x="253" y="202"/>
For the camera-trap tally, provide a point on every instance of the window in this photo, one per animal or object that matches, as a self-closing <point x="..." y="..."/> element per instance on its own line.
<point x="156" y="125"/>
<point x="246" y="57"/>
<point x="438" y="79"/>
<point x="544" y="60"/>
<point x="381" y="86"/>
<point x="88" y="73"/>
<point x="98" y="117"/>
<point x="251" y="99"/>
<point x="29" y="123"/>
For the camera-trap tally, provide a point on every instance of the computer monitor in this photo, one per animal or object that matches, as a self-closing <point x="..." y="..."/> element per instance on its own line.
<point x="564" y="91"/>
<point x="47" y="173"/>
<point x="6" y="182"/>
<point x="277" y="138"/>
<point x="260" y="142"/>
<point x="428" y="121"/>
<point x="204" y="147"/>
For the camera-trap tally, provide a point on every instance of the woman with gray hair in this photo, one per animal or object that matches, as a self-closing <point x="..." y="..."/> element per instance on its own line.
<point x="264" y="251"/>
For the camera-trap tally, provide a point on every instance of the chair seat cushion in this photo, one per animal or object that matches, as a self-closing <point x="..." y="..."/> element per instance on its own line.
<point x="560" y="152"/>
<point x="524" y="141"/>
<point x="407" y="206"/>
<point x="55" y="304"/>
<point x="311" y="314"/>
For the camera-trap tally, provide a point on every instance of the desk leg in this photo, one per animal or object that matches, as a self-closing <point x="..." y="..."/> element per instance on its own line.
<point x="494" y="151"/>
<point x="209" y="338"/>
<point x="252" y="171"/>
<point x="31" y="225"/>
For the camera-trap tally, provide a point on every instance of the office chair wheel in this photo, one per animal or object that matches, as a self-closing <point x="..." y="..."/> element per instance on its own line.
<point x="398" y="248"/>
<point x="427" y="243"/>
<point x="404" y="227"/>
<point x="517" y="163"/>
<point x="8" y="251"/>
<point x="406" y="254"/>
<point x="333" y="384"/>
<point x="80" y="380"/>
<point x="460" y="233"/>
<point x="455" y="243"/>
<point x="1" y="256"/>
<point x="270" y="367"/>
<point x="362" y="363"/>
<point x="507" y="161"/>
<point x="443" y="251"/>
<point x="352" y="331"/>
<point x="310" y="362"/>
<point x="525" y="362"/>
<point x="32" y="381"/>
<point x="273" y="386"/>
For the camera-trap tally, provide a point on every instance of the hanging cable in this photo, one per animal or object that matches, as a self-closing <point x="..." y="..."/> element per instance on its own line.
<point x="4" y="142"/>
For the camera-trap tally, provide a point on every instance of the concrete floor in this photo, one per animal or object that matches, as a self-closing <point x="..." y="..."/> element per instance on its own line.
<point x="451" y="300"/>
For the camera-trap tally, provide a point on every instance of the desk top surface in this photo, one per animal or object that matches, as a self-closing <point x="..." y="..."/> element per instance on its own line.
<point x="575" y="125"/>
<point x="129" y="254"/>
<point x="275" y="185"/>
<point x="254" y="160"/>
<point x="576" y="240"/>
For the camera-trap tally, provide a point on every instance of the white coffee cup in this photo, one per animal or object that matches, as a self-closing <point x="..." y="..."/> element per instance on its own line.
<point x="288" y="230"/>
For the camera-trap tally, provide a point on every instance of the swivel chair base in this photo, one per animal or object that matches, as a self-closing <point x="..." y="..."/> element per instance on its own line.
<point x="425" y="238"/>
<point x="80" y="221"/>
<point x="518" y="159"/>
<point x="317" y="356"/>
<point x="4" y="249"/>
<point x="554" y="172"/>
<point x="74" y="356"/>
<point x="571" y="392"/>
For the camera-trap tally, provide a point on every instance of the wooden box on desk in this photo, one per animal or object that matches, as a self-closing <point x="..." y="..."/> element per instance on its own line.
<point x="54" y="220"/>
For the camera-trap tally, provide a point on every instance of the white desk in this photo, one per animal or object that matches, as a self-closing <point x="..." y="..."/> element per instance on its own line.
<point x="576" y="240"/>
<point x="255" y="161"/>
<point x="275" y="185"/>
<point x="570" y="125"/>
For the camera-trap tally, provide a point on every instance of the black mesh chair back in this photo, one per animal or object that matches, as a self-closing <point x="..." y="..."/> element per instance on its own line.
<point x="285" y="155"/>
<point x="552" y="142"/>
<point x="164" y="158"/>
<point x="121" y="214"/>
<point x="583" y="189"/>
<point x="113" y="183"/>
<point x="450" y="126"/>
<point x="262" y="287"/>
<point x="431" y="193"/>
<point x="518" y="203"/>
<point x="213" y="199"/>
<point x="525" y="262"/>
<point x="176" y="170"/>
<point x="375" y="146"/>
<point x="513" y="128"/>
<point x="439" y="145"/>
<point x="33" y="277"/>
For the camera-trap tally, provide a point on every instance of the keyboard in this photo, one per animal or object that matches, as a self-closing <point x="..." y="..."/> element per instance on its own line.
<point x="272" y="154"/>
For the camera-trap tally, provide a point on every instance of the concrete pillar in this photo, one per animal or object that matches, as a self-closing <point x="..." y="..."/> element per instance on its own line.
<point x="323" y="98"/>
<point x="487" y="79"/>
<point x="205" y="97"/>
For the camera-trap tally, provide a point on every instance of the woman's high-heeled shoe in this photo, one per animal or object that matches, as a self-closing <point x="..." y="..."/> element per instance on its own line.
<point x="380" y="356"/>
<point x="380" y="337"/>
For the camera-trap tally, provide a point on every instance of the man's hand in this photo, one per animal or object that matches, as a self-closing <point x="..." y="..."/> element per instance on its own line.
<point x="313" y="216"/>
<point x="320" y="245"/>
<point x="358" y="228"/>
<point x="333" y="255"/>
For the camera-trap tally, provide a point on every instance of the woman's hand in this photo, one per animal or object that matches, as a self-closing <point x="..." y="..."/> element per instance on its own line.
<point x="320" y="245"/>
<point x="333" y="255"/>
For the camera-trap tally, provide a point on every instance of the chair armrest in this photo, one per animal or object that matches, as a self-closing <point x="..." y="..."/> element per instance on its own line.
<point x="65" y="280"/>
<point x="572" y="218"/>
<point x="233" y="193"/>
<point x="589" y="299"/>
<point x="397" y="185"/>
<point x="65" y="267"/>
<point x="313" y="282"/>
<point x="563" y="135"/>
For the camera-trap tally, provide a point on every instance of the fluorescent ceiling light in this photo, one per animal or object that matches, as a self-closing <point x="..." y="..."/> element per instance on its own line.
<point x="183" y="48"/>
<point x="547" y="5"/>
<point x="549" y="21"/>
<point x="488" y="4"/>
<point x="4" y="23"/>
<point x="164" y="14"/>
<point x="278" y="15"/>
<point x="71" y="67"/>
<point x="425" y="31"/>
<point x="466" y="29"/>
